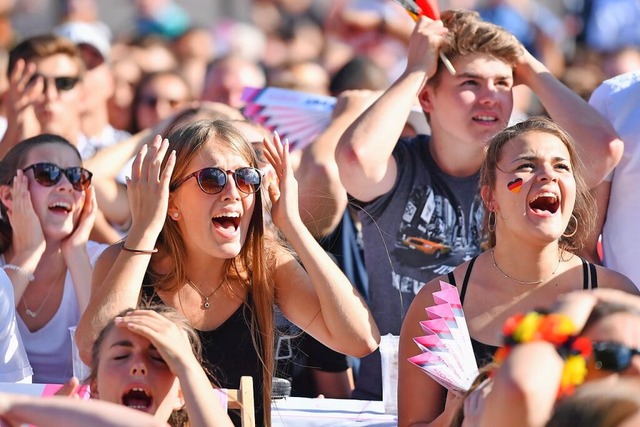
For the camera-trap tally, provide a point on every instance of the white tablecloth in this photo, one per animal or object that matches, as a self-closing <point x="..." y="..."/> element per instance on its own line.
<point x="303" y="412"/>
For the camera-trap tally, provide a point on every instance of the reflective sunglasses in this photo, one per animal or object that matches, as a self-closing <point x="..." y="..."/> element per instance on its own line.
<point x="213" y="180"/>
<point x="612" y="356"/>
<point x="62" y="83"/>
<point x="48" y="175"/>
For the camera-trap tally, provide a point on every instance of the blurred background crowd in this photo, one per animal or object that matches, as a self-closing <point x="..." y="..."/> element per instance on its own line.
<point x="302" y="43"/>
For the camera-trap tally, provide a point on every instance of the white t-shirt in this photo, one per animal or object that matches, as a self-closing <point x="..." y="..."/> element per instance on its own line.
<point x="14" y="364"/>
<point x="618" y="99"/>
<point x="49" y="348"/>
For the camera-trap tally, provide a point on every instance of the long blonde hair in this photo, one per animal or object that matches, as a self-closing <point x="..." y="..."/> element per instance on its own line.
<point x="253" y="266"/>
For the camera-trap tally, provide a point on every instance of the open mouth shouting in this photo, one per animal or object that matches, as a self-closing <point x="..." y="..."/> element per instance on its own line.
<point x="545" y="203"/>
<point x="137" y="398"/>
<point x="60" y="207"/>
<point x="226" y="223"/>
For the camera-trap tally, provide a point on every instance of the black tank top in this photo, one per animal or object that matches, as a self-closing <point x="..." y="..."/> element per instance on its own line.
<point x="484" y="352"/>
<point x="228" y="352"/>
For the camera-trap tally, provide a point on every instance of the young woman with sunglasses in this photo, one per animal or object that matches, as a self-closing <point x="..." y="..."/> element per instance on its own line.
<point x="539" y="212"/>
<point x="198" y="244"/>
<point x="48" y="209"/>
<point x="525" y="387"/>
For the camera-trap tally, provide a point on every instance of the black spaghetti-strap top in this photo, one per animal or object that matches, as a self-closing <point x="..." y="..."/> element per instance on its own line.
<point x="228" y="351"/>
<point x="484" y="352"/>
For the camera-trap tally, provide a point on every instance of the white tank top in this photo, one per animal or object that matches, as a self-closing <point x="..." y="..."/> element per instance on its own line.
<point x="49" y="348"/>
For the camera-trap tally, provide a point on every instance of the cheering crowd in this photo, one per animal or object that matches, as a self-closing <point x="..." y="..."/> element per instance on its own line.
<point x="192" y="246"/>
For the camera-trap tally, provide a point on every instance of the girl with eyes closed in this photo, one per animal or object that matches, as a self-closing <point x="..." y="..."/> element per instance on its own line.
<point x="47" y="208"/>
<point x="142" y="360"/>
<point x="145" y="368"/>
<point x="197" y="198"/>
<point x="539" y="213"/>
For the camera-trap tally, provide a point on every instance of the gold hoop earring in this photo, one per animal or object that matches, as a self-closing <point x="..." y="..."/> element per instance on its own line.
<point x="575" y="229"/>
<point x="491" y="225"/>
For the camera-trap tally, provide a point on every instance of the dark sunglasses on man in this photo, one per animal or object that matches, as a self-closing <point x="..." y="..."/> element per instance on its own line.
<point x="62" y="83"/>
<point x="213" y="180"/>
<point x="612" y="356"/>
<point x="48" y="175"/>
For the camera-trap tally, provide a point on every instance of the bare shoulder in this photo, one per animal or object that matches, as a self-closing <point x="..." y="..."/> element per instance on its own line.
<point x="611" y="279"/>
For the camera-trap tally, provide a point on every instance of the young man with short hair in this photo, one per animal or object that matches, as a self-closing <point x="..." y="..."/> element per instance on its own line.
<point x="399" y="183"/>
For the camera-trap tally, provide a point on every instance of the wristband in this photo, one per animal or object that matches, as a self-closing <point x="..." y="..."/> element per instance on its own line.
<point x="23" y="271"/>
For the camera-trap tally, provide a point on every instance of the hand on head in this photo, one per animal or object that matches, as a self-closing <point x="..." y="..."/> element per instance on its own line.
<point x="167" y="337"/>
<point x="148" y="187"/>
<point x="23" y="91"/>
<point x="80" y="235"/>
<point x="424" y="46"/>
<point x="27" y="229"/>
<point x="284" y="191"/>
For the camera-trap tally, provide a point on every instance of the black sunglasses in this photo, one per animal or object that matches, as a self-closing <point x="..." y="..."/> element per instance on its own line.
<point x="612" y="356"/>
<point x="48" y="175"/>
<point x="62" y="83"/>
<point x="213" y="180"/>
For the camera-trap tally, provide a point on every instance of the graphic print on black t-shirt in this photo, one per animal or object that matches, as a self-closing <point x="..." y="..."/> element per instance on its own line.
<point x="434" y="233"/>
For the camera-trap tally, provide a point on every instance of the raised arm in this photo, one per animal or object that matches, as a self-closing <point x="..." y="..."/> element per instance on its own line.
<point x="21" y="95"/>
<point x="56" y="411"/>
<point x="601" y="196"/>
<point x="74" y="250"/>
<point x="318" y="298"/>
<point x="599" y="147"/>
<point x="323" y="198"/>
<point x="364" y="153"/>
<point x="118" y="274"/>
<point x="28" y="243"/>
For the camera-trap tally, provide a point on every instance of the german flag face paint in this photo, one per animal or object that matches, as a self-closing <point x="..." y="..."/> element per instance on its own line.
<point x="515" y="185"/>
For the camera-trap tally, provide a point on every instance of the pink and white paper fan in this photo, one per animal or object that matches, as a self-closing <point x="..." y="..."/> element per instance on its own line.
<point x="447" y="355"/>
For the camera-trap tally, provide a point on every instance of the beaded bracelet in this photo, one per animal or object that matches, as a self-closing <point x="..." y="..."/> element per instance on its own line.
<point x="140" y="251"/>
<point x="23" y="271"/>
<point x="557" y="329"/>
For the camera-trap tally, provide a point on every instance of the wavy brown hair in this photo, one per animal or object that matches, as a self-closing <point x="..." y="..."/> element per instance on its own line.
<point x="584" y="208"/>
<point x="469" y="34"/>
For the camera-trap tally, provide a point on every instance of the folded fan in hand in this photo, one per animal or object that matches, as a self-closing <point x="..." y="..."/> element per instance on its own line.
<point x="447" y="355"/>
<point x="297" y="116"/>
<point x="300" y="117"/>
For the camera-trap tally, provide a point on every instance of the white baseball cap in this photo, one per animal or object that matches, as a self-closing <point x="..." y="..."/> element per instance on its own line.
<point x="93" y="35"/>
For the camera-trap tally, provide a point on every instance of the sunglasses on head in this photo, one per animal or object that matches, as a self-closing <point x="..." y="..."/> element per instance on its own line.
<point x="48" y="175"/>
<point x="62" y="83"/>
<point x="213" y="180"/>
<point x="612" y="356"/>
